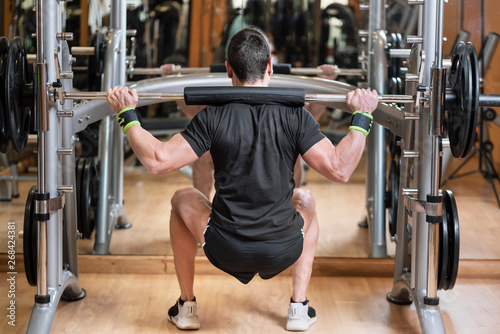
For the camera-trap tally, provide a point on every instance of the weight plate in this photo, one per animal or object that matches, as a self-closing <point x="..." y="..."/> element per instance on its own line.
<point x="394" y="63"/>
<point x="473" y="114"/>
<point x="461" y="117"/>
<point x="16" y="77"/>
<point x="393" y="191"/>
<point x="451" y="213"/>
<point x="30" y="239"/>
<point x="88" y="198"/>
<point x="443" y="251"/>
<point x="4" y="129"/>
<point x="95" y="66"/>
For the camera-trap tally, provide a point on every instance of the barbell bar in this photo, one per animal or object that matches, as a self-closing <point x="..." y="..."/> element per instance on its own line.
<point x="180" y="96"/>
<point x="296" y="71"/>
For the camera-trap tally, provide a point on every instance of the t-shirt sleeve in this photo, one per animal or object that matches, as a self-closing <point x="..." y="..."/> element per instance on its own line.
<point x="309" y="133"/>
<point x="197" y="133"/>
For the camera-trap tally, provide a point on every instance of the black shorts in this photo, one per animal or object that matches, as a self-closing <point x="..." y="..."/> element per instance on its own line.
<point x="243" y="258"/>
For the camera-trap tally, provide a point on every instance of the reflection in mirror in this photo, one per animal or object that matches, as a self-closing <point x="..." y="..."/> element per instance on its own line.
<point x="304" y="34"/>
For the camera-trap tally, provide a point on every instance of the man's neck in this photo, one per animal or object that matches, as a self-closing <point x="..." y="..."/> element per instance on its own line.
<point x="259" y="83"/>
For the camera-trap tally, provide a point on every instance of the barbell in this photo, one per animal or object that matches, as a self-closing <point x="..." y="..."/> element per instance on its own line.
<point x="277" y="68"/>
<point x="230" y="90"/>
<point x="461" y="100"/>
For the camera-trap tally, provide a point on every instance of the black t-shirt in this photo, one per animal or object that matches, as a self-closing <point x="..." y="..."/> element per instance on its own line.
<point x="254" y="149"/>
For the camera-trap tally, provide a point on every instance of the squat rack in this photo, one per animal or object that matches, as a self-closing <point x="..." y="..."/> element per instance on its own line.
<point x="58" y="266"/>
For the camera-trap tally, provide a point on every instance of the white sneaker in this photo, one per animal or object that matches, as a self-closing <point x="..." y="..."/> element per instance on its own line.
<point x="300" y="316"/>
<point x="184" y="315"/>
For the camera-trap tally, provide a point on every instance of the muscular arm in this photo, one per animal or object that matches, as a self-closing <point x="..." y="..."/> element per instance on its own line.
<point x="158" y="157"/>
<point x="338" y="163"/>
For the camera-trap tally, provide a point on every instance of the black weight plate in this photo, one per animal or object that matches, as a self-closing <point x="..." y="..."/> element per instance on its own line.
<point x="458" y="120"/>
<point x="474" y="67"/>
<point x="89" y="188"/>
<point x="451" y="213"/>
<point x="95" y="67"/>
<point x="443" y="251"/>
<point x="401" y="85"/>
<point x="30" y="239"/>
<point x="4" y="129"/>
<point x="394" y="195"/>
<point x="79" y="164"/>
<point x="16" y="77"/>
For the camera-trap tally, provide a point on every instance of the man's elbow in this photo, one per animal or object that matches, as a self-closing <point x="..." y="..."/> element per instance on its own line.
<point x="340" y="175"/>
<point x="156" y="167"/>
<point x="343" y="177"/>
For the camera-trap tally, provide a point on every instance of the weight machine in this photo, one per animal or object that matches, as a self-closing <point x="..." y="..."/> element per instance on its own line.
<point x="431" y="229"/>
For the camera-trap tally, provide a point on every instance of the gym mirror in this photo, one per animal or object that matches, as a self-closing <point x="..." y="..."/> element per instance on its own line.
<point x="304" y="34"/>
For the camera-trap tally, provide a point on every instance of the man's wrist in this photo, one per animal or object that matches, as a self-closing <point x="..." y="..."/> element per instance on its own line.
<point x="361" y="121"/>
<point x="127" y="117"/>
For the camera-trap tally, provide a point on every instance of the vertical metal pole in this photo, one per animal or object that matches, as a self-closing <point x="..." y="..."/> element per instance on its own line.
<point x="376" y="169"/>
<point x="111" y="137"/>
<point x="423" y="163"/>
<point x="68" y="171"/>
<point x="436" y="109"/>
<point x="119" y="23"/>
<point x="41" y="112"/>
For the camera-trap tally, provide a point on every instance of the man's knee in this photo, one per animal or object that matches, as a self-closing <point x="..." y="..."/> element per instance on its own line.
<point x="189" y="199"/>
<point x="181" y="196"/>
<point x="303" y="200"/>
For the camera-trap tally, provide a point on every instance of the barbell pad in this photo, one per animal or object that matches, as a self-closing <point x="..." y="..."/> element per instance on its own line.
<point x="220" y="95"/>
<point x="282" y="68"/>
<point x="218" y="68"/>
<point x="126" y="118"/>
<point x="361" y="121"/>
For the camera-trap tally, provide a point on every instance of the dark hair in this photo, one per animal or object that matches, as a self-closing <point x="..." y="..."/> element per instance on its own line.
<point x="248" y="54"/>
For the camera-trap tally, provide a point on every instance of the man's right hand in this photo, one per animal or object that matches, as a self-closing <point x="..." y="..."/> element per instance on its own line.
<point x="362" y="100"/>
<point x="168" y="69"/>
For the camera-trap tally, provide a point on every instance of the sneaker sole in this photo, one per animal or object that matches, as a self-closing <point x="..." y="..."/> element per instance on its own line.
<point x="183" y="325"/>
<point x="299" y="327"/>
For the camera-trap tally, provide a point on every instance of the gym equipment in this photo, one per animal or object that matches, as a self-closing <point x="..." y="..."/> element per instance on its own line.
<point x="449" y="243"/>
<point x="30" y="238"/>
<point x="87" y="195"/>
<point x="95" y="66"/>
<point x="277" y="68"/>
<point x="56" y="252"/>
<point x="392" y="196"/>
<point x="462" y="115"/>
<point x="394" y="42"/>
<point x="455" y="99"/>
<point x="4" y="129"/>
<point x="57" y="275"/>
<point x="16" y="80"/>
<point x="484" y="146"/>
<point x="232" y="91"/>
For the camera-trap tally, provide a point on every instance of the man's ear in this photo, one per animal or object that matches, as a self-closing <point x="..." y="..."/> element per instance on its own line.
<point x="270" y="66"/>
<point x="229" y="70"/>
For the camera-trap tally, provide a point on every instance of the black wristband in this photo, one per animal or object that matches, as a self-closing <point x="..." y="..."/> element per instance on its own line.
<point x="126" y="118"/>
<point x="361" y="121"/>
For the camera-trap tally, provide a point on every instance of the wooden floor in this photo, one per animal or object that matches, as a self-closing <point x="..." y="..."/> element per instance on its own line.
<point x="138" y="303"/>
<point x="340" y="207"/>
<point x="134" y="296"/>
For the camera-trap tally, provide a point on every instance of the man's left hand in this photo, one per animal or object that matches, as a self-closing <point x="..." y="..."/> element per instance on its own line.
<point x="121" y="97"/>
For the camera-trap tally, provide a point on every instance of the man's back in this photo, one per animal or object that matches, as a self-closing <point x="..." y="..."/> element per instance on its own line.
<point x="254" y="149"/>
